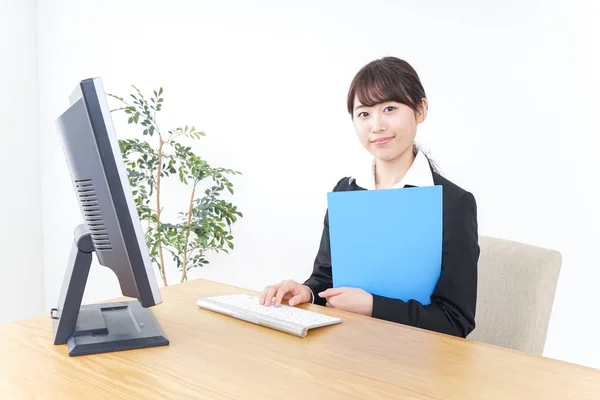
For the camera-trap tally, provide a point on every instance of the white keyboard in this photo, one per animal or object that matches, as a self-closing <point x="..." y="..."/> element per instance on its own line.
<point x="295" y="321"/>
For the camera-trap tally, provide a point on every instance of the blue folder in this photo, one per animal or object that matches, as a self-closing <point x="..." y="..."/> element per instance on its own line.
<point x="387" y="242"/>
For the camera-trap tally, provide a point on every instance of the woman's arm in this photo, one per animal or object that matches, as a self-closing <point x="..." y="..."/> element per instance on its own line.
<point x="321" y="278"/>
<point x="452" y="308"/>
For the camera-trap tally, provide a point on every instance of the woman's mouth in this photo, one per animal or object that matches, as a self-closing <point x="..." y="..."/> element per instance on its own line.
<point x="381" y="141"/>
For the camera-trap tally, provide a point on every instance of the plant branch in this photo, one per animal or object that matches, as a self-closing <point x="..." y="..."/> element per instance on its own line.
<point x="175" y="134"/>
<point x="158" y="210"/>
<point x="187" y="234"/>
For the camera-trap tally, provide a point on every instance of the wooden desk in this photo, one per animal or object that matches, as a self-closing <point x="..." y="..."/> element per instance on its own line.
<point x="212" y="356"/>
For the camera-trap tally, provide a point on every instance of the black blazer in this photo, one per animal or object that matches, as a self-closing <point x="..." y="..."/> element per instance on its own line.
<point x="452" y="308"/>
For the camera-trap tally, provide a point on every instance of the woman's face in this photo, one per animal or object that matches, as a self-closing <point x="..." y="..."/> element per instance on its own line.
<point x="387" y="129"/>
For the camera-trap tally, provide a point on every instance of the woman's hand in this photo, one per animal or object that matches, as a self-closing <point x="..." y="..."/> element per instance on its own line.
<point x="349" y="299"/>
<point x="295" y="292"/>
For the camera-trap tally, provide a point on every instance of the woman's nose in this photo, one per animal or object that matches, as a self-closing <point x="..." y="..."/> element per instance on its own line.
<point x="377" y="125"/>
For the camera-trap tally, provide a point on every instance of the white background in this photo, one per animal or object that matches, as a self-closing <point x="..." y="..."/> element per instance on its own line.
<point x="512" y="95"/>
<point x="21" y="262"/>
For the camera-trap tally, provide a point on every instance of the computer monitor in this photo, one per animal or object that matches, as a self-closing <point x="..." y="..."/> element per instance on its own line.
<point x="111" y="229"/>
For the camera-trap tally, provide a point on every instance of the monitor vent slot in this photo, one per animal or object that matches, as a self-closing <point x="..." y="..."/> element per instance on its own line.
<point x="92" y="214"/>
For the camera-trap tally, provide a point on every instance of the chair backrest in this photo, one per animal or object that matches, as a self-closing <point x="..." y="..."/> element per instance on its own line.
<point x="516" y="287"/>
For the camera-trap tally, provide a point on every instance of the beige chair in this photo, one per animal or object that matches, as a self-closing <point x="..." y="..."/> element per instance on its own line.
<point x="516" y="286"/>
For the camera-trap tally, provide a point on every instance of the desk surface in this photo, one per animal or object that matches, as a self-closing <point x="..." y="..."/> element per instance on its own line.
<point x="212" y="356"/>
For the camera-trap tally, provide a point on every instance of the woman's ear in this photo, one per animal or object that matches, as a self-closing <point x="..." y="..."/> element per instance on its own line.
<point x="422" y="114"/>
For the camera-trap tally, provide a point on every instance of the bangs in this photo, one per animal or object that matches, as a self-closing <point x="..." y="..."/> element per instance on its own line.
<point x="377" y="83"/>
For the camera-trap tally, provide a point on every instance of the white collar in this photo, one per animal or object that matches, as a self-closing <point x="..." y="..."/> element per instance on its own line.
<point x="419" y="174"/>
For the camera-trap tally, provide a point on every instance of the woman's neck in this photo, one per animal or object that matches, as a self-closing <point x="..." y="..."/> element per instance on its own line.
<point x="389" y="173"/>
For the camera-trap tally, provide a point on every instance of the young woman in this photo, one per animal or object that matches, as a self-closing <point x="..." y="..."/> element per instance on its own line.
<point x="387" y="102"/>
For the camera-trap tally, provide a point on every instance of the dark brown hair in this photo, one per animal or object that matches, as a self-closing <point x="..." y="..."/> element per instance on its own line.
<point x="386" y="79"/>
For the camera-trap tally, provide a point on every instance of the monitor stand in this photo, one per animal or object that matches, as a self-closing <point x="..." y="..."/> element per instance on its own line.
<point x="98" y="328"/>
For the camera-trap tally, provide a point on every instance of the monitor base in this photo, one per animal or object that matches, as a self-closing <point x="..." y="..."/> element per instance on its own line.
<point x="98" y="328"/>
<point x="112" y="327"/>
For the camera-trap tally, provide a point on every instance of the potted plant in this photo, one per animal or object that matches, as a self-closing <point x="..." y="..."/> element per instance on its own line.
<point x="205" y="226"/>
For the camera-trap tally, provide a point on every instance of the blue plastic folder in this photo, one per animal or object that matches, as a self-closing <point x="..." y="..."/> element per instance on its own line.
<point x="387" y="242"/>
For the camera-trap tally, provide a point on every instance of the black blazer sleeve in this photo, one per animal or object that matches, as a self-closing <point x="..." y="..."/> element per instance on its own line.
<point x="321" y="278"/>
<point x="452" y="308"/>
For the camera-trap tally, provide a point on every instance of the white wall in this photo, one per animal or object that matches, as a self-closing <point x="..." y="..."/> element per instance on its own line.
<point x="21" y="293"/>
<point x="511" y="119"/>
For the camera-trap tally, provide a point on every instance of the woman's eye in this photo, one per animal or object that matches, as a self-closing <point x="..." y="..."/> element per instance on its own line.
<point x="363" y="114"/>
<point x="390" y="108"/>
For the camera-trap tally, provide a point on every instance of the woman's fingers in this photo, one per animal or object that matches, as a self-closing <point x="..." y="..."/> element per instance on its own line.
<point x="268" y="293"/>
<point x="332" y="292"/>
<point x="282" y="291"/>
